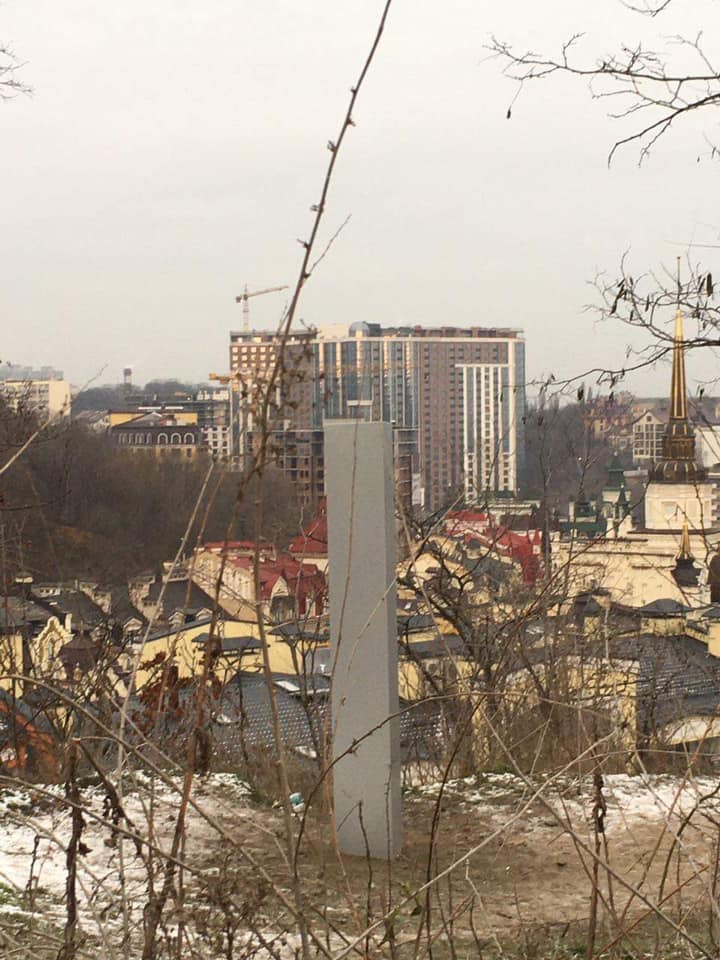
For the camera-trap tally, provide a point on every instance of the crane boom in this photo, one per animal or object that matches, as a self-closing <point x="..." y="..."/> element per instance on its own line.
<point x="256" y="293"/>
<point x="245" y="296"/>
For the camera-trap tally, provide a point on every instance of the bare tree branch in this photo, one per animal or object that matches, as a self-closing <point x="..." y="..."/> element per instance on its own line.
<point x="10" y="85"/>
<point x="645" y="80"/>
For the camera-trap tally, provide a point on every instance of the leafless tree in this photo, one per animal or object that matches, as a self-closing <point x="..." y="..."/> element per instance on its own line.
<point x="652" y="89"/>
<point x="10" y="83"/>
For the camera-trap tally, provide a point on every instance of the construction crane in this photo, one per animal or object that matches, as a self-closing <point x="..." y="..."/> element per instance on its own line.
<point x="245" y="296"/>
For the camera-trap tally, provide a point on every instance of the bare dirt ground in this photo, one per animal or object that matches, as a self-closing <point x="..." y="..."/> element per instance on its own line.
<point x="528" y="882"/>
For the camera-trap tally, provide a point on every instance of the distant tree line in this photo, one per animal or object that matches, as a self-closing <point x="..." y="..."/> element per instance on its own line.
<point x="113" y="396"/>
<point x="74" y="505"/>
<point x="564" y="458"/>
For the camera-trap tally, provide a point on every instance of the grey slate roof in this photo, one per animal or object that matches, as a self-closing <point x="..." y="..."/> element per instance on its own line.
<point x="85" y="613"/>
<point x="711" y="612"/>
<point x="122" y="608"/>
<point x="242" y="717"/>
<point x="486" y="568"/>
<point x="436" y="647"/>
<point x="176" y="596"/>
<point x="168" y="630"/>
<point x="17" y="611"/>
<point x="413" y="622"/>
<point x="315" y="628"/>
<point x="246" y="644"/>
<point x="676" y="676"/>
<point x="664" y="608"/>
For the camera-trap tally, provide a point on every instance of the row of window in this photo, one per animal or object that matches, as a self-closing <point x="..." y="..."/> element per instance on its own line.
<point x="140" y="439"/>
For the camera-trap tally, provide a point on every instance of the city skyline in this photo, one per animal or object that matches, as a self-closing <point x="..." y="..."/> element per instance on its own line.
<point x="127" y="243"/>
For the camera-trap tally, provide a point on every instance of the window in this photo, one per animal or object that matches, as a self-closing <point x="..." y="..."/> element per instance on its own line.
<point x="189" y="438"/>
<point x="175" y="438"/>
<point x="162" y="438"/>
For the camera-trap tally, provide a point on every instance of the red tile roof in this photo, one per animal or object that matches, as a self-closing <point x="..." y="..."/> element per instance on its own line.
<point x="522" y="548"/>
<point x="312" y="542"/>
<point x="305" y="581"/>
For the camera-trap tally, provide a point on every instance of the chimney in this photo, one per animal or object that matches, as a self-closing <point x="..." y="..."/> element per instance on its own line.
<point x="68" y="623"/>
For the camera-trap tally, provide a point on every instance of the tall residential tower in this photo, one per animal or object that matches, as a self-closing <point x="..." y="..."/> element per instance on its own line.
<point x="455" y="397"/>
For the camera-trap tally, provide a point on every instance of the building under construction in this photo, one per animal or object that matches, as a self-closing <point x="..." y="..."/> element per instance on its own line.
<point x="455" y="396"/>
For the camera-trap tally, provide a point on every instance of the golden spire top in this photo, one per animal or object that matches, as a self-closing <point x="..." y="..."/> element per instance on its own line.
<point x="678" y="389"/>
<point x="685" y="573"/>
<point x="685" y="548"/>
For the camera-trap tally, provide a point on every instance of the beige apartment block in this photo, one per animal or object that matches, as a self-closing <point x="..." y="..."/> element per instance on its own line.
<point x="48" y="398"/>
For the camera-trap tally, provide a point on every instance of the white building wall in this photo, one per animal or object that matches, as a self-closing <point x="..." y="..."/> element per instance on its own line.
<point x="216" y="438"/>
<point x="707" y="444"/>
<point x="487" y="465"/>
<point x="669" y="505"/>
<point x="635" y="569"/>
<point x="648" y="431"/>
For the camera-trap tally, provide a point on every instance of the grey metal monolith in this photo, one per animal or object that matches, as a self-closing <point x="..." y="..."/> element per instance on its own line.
<point x="362" y="551"/>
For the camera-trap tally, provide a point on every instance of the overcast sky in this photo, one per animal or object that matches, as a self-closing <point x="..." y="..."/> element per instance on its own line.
<point x="172" y="148"/>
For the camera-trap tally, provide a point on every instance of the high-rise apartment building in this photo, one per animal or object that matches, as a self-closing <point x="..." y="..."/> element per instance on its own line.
<point x="455" y="396"/>
<point x="261" y="365"/>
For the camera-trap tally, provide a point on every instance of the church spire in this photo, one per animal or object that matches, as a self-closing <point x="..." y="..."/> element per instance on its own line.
<point x="678" y="389"/>
<point x="678" y="460"/>
<point x="685" y="548"/>
<point x="685" y="573"/>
